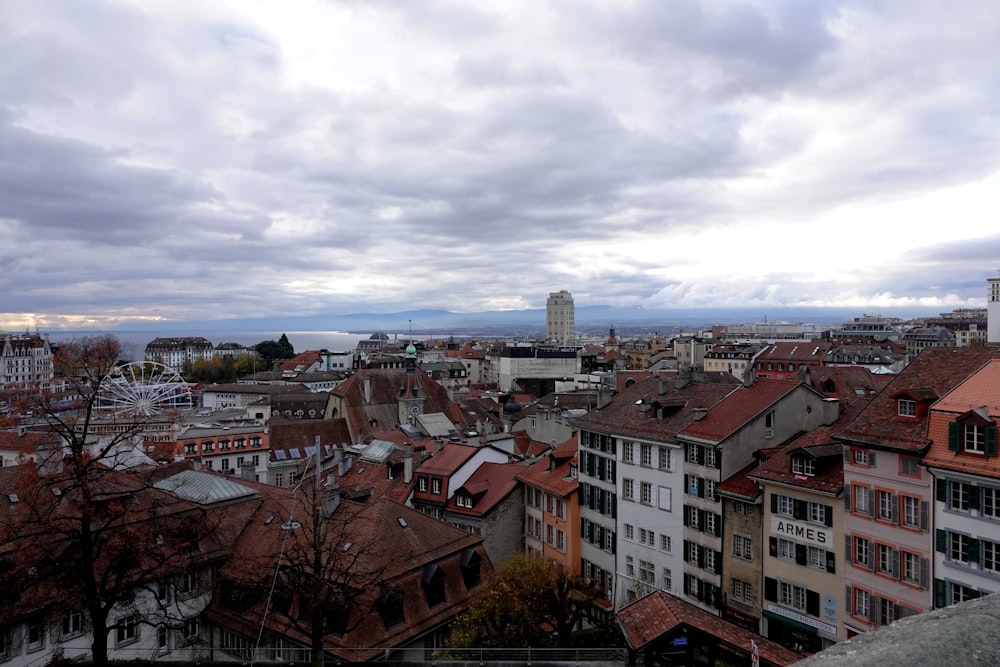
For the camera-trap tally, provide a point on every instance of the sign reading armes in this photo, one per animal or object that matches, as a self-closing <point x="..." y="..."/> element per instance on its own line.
<point x="800" y="531"/>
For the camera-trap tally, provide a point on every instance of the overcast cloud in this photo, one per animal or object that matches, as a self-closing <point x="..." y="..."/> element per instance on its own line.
<point x="195" y="160"/>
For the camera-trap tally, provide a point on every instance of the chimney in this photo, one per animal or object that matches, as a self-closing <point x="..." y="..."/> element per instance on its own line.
<point x="700" y="413"/>
<point x="408" y="466"/>
<point x="368" y="388"/>
<point x="683" y="377"/>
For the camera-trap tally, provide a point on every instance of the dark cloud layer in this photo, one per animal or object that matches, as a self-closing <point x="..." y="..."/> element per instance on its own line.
<point x="195" y="161"/>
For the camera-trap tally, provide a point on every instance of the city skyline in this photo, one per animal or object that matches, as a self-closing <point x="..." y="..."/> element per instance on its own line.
<point x="186" y="162"/>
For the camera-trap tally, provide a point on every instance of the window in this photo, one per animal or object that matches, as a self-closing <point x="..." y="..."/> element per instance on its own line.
<point x="665" y="498"/>
<point x="958" y="498"/>
<point x="628" y="489"/>
<point x="664" y="456"/>
<point x="909" y="466"/>
<point x="989" y="501"/>
<point x="785" y="505"/>
<point x="192" y="626"/>
<point x="816" y="558"/>
<point x="886" y="559"/>
<point x="710" y="492"/>
<point x="859" y="456"/>
<point x="436" y="486"/>
<point x="187" y="583"/>
<point x="646" y="455"/>
<point x="693" y="520"/>
<point x="906" y="407"/>
<point x="646" y="493"/>
<point x="861" y="602"/>
<point x="791" y="595"/>
<point x="647" y="573"/>
<point x="692" y="453"/>
<point x="710" y="457"/>
<point x="647" y="537"/>
<point x="911" y="512"/>
<point x="127" y="630"/>
<point x="668" y="579"/>
<point x="818" y="512"/>
<point x="629" y="532"/>
<point x="422" y="483"/>
<point x="863" y="552"/>
<point x="561" y="541"/>
<point x="886" y="505"/>
<point x="746" y="509"/>
<point x="35" y="634"/>
<point x="692" y="555"/>
<point x="991" y="556"/>
<point x="72" y="624"/>
<point x="974" y="438"/>
<point x="958" y="547"/>
<point x="742" y="547"/>
<point x="711" y="523"/>
<point x="742" y="591"/>
<point x="887" y="611"/>
<point x="629" y="566"/>
<point x="962" y="593"/>
<point x="802" y="465"/>
<point x="665" y="542"/>
<point x="628" y="452"/>
<point x="862" y="499"/>
<point x="162" y="637"/>
<point x="786" y="549"/>
<point x="911" y="567"/>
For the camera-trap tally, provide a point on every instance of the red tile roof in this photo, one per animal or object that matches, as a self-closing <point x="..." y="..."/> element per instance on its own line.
<point x="739" y="407"/>
<point x="933" y="373"/>
<point x="980" y="391"/>
<point x="633" y="412"/>
<point x="448" y="460"/>
<point x="657" y="614"/>
<point x="740" y="484"/>
<point x="552" y="472"/>
<point x="488" y="486"/>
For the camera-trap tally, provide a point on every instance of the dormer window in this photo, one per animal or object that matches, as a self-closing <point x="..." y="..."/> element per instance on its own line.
<point x="463" y="501"/>
<point x="973" y="434"/>
<point x="906" y="407"/>
<point x="802" y="465"/>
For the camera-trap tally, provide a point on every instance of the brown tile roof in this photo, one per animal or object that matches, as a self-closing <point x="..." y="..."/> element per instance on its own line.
<point x="980" y="391"/>
<point x="633" y="411"/>
<point x="487" y="486"/>
<point x="552" y="472"/>
<point x="803" y="351"/>
<point x="287" y="433"/>
<point x="739" y="484"/>
<point x="936" y="369"/>
<point x="448" y="460"/>
<point x="302" y="361"/>
<point x="12" y="441"/>
<point x="395" y="543"/>
<point x="738" y="408"/>
<point x="658" y="614"/>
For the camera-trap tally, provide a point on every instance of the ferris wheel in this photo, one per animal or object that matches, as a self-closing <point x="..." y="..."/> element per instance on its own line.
<point x="144" y="389"/>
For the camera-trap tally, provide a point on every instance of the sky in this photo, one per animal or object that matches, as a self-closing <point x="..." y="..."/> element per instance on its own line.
<point x="175" y="160"/>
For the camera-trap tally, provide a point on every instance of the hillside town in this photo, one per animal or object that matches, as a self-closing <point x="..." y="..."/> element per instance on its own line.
<point x="760" y="491"/>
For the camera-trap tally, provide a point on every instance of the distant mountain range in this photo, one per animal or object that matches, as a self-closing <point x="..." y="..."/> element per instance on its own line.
<point x="596" y="319"/>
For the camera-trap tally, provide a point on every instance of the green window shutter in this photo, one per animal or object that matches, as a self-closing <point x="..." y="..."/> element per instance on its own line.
<point x="942" y="491"/>
<point x="847" y="497"/>
<point x="973" y="550"/>
<point x="991" y="440"/>
<point x="940" y="594"/>
<point x="954" y="441"/>
<point x="941" y="541"/>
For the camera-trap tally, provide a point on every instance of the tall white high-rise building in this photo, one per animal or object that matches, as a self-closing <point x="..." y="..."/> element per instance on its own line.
<point x="560" y="318"/>
<point x="993" y="310"/>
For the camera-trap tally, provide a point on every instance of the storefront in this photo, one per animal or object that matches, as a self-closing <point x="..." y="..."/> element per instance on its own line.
<point x="796" y="631"/>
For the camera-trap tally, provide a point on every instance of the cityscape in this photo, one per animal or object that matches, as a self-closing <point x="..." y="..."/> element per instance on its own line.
<point x="766" y="490"/>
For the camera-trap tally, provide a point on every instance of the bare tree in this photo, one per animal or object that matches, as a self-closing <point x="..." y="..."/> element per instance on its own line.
<point x="86" y="529"/>
<point x="324" y="568"/>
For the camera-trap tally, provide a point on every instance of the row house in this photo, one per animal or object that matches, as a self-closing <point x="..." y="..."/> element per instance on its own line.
<point x="552" y="508"/>
<point x="491" y="504"/>
<point x="742" y="549"/>
<point x="25" y="361"/>
<point x="178" y="352"/>
<point x="632" y="485"/>
<point x="732" y="358"/>
<point x="446" y="470"/>
<point x="802" y="594"/>
<point x="784" y="360"/>
<point x="963" y="460"/>
<point x="720" y="442"/>
<point x="889" y="495"/>
<point x="238" y="450"/>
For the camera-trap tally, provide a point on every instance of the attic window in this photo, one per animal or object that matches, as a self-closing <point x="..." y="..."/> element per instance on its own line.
<point x="802" y="465"/>
<point x="12" y="497"/>
<point x="463" y="501"/>
<point x="906" y="407"/>
<point x="402" y="521"/>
